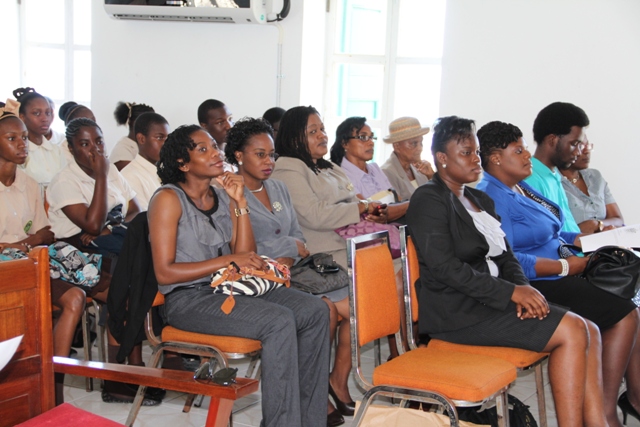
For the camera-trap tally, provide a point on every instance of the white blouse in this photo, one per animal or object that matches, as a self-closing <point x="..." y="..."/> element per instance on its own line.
<point x="491" y="230"/>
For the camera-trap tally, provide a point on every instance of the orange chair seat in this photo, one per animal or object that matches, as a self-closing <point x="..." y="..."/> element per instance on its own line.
<point x="516" y="356"/>
<point x="459" y="376"/>
<point x="223" y="343"/>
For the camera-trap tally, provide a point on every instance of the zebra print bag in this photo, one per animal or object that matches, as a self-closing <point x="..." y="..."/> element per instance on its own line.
<point x="245" y="281"/>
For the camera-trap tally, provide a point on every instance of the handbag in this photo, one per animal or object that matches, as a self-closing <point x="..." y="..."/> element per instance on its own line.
<point x="366" y="227"/>
<point x="615" y="270"/>
<point x="519" y="414"/>
<point x="318" y="274"/>
<point x="246" y="281"/>
<point x="66" y="262"/>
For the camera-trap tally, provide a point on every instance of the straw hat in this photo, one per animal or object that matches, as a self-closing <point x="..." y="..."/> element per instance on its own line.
<point x="404" y="128"/>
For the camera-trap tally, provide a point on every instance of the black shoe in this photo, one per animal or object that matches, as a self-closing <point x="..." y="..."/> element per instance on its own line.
<point x="335" y="419"/>
<point x="345" y="408"/>
<point x="627" y="408"/>
<point x="117" y="392"/>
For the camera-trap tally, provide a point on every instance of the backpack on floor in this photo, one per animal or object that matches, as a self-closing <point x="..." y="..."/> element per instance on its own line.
<point x="519" y="414"/>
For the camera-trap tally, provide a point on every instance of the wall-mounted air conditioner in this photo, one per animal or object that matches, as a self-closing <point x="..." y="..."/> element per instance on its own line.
<point x="229" y="11"/>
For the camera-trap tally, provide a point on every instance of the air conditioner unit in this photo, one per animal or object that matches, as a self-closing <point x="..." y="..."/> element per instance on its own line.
<point x="226" y="11"/>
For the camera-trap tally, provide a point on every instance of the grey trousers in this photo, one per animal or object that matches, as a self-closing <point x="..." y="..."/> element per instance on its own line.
<point x="294" y="330"/>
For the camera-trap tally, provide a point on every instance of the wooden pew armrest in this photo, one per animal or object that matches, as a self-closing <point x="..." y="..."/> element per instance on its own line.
<point x="181" y="381"/>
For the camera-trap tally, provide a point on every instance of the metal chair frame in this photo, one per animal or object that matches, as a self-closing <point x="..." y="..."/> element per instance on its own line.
<point x="372" y="391"/>
<point x="409" y="317"/>
<point x="206" y="352"/>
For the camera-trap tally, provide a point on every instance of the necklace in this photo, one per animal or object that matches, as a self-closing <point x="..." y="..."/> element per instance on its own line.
<point x="258" y="190"/>
<point x="574" y="180"/>
<point x="520" y="190"/>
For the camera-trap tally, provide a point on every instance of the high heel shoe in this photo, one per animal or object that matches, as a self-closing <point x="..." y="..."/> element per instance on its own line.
<point x="627" y="408"/>
<point x="345" y="408"/>
<point x="334" y="419"/>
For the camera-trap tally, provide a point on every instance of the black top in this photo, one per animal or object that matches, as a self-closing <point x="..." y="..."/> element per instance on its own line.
<point x="455" y="289"/>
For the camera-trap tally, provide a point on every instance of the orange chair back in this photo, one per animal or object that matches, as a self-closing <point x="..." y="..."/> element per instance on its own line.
<point x="414" y="274"/>
<point x="376" y="299"/>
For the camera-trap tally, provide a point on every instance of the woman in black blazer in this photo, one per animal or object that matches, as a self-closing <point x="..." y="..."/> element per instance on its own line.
<point x="473" y="291"/>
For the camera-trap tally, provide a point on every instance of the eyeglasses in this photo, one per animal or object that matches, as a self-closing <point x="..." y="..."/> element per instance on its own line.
<point x="365" y="138"/>
<point x="262" y="155"/>
<point x="225" y="376"/>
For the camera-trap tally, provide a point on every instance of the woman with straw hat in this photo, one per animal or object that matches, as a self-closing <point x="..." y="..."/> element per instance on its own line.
<point x="404" y="168"/>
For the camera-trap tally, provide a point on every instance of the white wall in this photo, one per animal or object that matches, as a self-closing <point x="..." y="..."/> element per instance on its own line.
<point x="174" y="66"/>
<point x="505" y="60"/>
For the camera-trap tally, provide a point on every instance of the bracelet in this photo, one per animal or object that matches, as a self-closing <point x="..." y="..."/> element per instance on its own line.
<point x="365" y="202"/>
<point x="28" y="247"/>
<point x="600" y="225"/>
<point x="565" y="267"/>
<point x="242" y="211"/>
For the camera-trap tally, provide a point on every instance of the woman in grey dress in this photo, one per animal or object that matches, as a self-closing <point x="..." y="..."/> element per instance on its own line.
<point x="277" y="232"/>
<point x="196" y="230"/>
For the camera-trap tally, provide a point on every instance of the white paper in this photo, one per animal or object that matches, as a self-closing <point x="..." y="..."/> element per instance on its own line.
<point x="626" y="237"/>
<point x="8" y="349"/>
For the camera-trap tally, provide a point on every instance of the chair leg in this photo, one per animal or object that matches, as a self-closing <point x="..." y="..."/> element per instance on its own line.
<point x="187" y="404"/>
<point x="252" y="366"/>
<point x="154" y="362"/>
<point x="377" y="357"/>
<point x="87" y="349"/>
<point x="542" y="407"/>
<point x="135" y="408"/>
<point x="502" y="409"/>
<point x="101" y="332"/>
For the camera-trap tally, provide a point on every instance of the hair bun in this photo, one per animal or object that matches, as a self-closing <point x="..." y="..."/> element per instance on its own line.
<point x="22" y="91"/>
<point x="65" y="109"/>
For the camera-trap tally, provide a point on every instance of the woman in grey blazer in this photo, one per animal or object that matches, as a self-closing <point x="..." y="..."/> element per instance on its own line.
<point x="324" y="199"/>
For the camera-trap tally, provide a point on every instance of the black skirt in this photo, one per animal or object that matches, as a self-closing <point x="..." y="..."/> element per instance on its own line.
<point x="505" y="329"/>
<point x="581" y="297"/>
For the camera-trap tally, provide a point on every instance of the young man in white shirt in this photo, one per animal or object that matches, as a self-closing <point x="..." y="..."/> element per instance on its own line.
<point x="151" y="131"/>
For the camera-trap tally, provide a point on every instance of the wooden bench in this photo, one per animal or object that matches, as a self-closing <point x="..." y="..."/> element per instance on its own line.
<point x="222" y="397"/>
<point x="26" y="383"/>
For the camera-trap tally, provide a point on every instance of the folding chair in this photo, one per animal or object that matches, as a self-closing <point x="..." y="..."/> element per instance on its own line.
<point x="217" y="347"/>
<point x="523" y="360"/>
<point x="429" y="375"/>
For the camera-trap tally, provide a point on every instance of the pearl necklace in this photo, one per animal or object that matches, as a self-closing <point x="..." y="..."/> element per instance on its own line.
<point x="258" y="190"/>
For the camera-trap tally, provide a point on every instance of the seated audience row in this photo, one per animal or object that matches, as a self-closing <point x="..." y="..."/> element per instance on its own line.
<point x="482" y="281"/>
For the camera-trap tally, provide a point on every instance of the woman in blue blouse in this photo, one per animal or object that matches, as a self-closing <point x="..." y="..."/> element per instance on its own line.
<point x="532" y="225"/>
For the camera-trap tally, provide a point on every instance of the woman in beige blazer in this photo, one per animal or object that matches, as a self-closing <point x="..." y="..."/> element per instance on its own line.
<point x="324" y="199"/>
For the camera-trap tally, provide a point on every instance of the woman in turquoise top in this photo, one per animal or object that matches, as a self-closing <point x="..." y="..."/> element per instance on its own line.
<point x="532" y="225"/>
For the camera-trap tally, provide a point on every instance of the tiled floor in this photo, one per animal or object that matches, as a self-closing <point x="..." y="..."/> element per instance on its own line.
<point x="169" y="413"/>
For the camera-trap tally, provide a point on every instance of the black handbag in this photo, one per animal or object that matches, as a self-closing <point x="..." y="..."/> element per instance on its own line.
<point x="615" y="270"/>
<point x="519" y="414"/>
<point x="318" y="274"/>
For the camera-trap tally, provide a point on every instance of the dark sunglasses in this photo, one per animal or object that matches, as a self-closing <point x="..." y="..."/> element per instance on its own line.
<point x="225" y="376"/>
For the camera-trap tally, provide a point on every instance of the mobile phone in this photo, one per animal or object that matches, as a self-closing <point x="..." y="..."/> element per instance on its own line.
<point x="379" y="209"/>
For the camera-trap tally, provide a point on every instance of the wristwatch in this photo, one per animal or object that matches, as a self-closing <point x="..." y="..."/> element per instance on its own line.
<point x="365" y="202"/>
<point x="242" y="211"/>
<point x="600" y="225"/>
